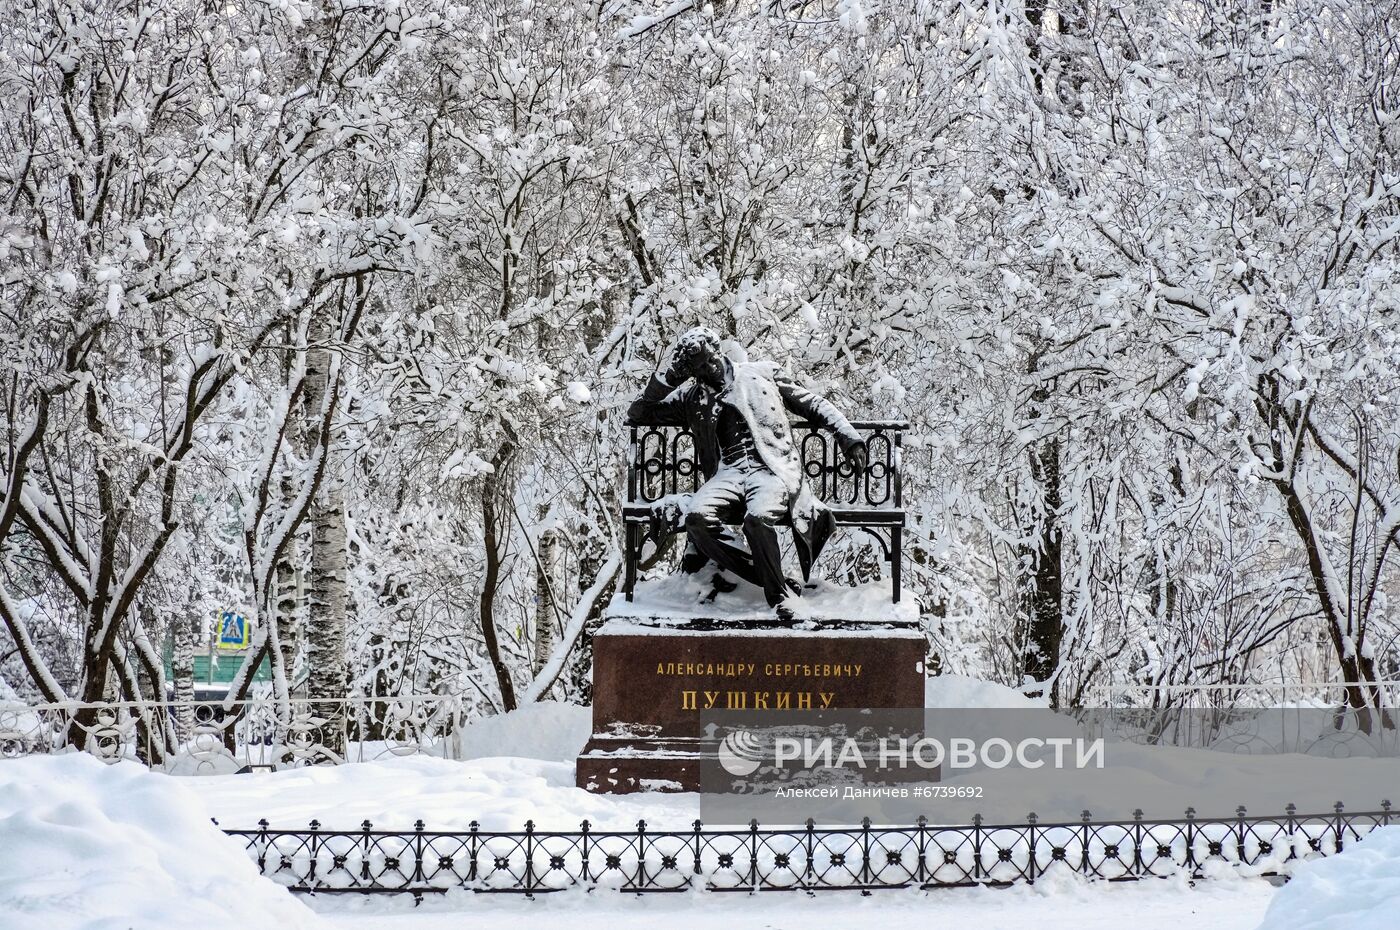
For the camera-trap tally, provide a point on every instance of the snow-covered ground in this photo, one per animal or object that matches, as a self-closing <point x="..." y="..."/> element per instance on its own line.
<point x="1159" y="905"/>
<point x="520" y="767"/>
<point x="1357" y="890"/>
<point x="97" y="847"/>
<point x="83" y="845"/>
<point x="94" y="847"/>
<point x="502" y="793"/>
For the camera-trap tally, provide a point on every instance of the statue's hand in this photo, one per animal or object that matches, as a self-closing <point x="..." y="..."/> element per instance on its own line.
<point x="672" y="369"/>
<point x="858" y="456"/>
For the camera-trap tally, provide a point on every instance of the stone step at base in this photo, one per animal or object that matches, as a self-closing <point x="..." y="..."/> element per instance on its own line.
<point x="622" y="765"/>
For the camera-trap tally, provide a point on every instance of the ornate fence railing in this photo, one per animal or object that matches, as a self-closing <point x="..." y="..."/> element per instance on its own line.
<point x="808" y="858"/>
<point x="210" y="737"/>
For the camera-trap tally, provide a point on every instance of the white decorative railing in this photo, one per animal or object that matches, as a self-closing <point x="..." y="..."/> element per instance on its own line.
<point x="1313" y="718"/>
<point x="1259" y="695"/>
<point x="209" y="737"/>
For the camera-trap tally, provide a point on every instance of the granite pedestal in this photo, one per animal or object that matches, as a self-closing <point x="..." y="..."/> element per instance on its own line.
<point x="653" y="685"/>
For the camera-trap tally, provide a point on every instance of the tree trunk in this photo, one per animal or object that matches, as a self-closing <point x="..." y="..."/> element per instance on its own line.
<point x="1363" y="696"/>
<point x="490" y="487"/>
<point x="1041" y="563"/>
<point x="184" y="636"/>
<point x="327" y="674"/>
<point x="1045" y="609"/>
<point x="288" y="629"/>
<point x="546" y="580"/>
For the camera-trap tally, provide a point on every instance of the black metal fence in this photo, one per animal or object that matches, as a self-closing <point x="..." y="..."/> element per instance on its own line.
<point x="808" y="858"/>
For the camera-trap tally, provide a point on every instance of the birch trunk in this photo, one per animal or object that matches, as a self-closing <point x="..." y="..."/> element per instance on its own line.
<point x="327" y="676"/>
<point x="288" y="629"/>
<point x="326" y="619"/>
<point x="184" y="636"/>
<point x="546" y="578"/>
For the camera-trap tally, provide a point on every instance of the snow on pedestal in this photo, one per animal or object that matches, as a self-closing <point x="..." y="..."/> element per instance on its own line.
<point x="679" y="599"/>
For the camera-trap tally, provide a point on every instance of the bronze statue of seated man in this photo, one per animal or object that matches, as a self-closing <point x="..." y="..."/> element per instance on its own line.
<point x="737" y="411"/>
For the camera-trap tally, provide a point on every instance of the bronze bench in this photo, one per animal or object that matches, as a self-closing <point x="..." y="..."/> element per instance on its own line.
<point x="661" y="464"/>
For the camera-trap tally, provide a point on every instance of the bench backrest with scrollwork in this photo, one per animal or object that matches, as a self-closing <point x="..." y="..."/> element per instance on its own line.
<point x="663" y="463"/>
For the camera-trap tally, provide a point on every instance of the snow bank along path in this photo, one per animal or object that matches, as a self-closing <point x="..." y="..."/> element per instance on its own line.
<point x="1159" y="905"/>
<point x="1358" y="889"/>
<point x="91" y="846"/>
<point x="88" y="846"/>
<point x="520" y="766"/>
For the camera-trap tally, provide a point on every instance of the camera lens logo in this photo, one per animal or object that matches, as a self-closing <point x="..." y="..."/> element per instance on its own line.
<point x="740" y="753"/>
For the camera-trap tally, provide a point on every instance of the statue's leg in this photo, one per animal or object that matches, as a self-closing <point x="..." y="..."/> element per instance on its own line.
<point x="705" y="527"/>
<point x="693" y="561"/>
<point x="766" y="504"/>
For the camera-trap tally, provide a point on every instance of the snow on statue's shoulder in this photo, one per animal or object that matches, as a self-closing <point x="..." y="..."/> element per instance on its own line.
<point x="678" y="600"/>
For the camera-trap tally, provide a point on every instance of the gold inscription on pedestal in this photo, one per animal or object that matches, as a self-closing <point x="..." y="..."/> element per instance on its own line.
<point x="755" y="700"/>
<point x="770" y="669"/>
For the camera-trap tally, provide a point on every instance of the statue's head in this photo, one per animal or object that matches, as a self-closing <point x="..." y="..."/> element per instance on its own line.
<point x="698" y="355"/>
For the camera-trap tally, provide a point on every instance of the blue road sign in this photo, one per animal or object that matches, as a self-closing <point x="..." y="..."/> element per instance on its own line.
<point x="234" y="632"/>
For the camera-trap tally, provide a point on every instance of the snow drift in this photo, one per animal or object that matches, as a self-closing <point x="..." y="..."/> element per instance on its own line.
<point x="1358" y="889"/>
<point x="88" y="846"/>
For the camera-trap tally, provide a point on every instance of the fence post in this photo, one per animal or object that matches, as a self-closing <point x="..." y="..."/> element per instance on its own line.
<point x="1340" y="825"/>
<point x="976" y="847"/>
<point x="899" y="467"/>
<point x="1084" y="818"/>
<point x="640" y="880"/>
<point x="1291" y="826"/>
<point x="1138" y="866"/>
<point x="529" y="857"/>
<point x="1191" y="840"/>
<point x="896" y="562"/>
<point x="1031" y="820"/>
<point x="921" y="873"/>
<point x="418" y="843"/>
<point x="473" y="848"/>
<point x="263" y="841"/>
<point x="365" y="827"/>
<point x="587" y="875"/>
<point x="696" y="826"/>
<point x="809" y="873"/>
<point x="1239" y="832"/>
<point x="314" y="843"/>
<point x="1385" y="813"/>
<point x="753" y="856"/>
<point x="867" y="876"/>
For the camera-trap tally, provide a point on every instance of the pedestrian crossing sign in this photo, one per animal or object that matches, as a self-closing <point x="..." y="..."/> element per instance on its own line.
<point x="234" y="632"/>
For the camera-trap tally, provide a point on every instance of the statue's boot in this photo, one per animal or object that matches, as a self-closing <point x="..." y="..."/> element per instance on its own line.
<point x="719" y="585"/>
